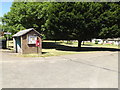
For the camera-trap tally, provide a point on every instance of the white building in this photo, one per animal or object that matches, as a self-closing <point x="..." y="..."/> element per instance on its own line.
<point x="115" y="41"/>
<point x="97" y="41"/>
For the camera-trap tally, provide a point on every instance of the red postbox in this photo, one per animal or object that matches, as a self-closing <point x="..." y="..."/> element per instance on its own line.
<point x="37" y="43"/>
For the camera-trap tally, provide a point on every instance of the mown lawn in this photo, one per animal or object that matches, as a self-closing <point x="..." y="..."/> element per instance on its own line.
<point x="86" y="44"/>
<point x="101" y="45"/>
<point x="52" y="48"/>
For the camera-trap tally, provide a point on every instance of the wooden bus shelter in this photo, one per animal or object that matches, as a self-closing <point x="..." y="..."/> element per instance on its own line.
<point x="25" y="41"/>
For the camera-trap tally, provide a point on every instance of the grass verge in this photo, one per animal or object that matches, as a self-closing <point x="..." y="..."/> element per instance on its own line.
<point x="56" y="52"/>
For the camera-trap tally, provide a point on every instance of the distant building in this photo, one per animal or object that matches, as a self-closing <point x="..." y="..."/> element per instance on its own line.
<point x="115" y="41"/>
<point x="97" y="41"/>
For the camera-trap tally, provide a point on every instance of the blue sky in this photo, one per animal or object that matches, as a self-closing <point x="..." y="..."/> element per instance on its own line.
<point x="5" y="7"/>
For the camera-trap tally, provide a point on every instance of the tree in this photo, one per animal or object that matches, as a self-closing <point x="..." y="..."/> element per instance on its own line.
<point x="65" y="20"/>
<point x="78" y="21"/>
<point x="110" y="21"/>
<point x="25" y="15"/>
<point x="82" y="21"/>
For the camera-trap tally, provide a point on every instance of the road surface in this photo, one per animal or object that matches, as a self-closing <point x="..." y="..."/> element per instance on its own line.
<point x="85" y="70"/>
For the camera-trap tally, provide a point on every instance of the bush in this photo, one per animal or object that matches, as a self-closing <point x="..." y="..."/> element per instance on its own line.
<point x="96" y="41"/>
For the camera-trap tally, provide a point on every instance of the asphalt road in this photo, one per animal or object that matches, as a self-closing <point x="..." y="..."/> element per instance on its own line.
<point x="85" y="70"/>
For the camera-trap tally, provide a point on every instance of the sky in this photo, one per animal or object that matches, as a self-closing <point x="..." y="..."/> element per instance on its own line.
<point x="4" y="7"/>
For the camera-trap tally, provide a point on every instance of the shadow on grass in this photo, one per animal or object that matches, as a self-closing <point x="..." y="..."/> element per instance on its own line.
<point x="57" y="46"/>
<point x="44" y="52"/>
<point x="87" y="45"/>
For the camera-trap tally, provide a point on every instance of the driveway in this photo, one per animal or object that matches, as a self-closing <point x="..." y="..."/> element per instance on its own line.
<point x="85" y="70"/>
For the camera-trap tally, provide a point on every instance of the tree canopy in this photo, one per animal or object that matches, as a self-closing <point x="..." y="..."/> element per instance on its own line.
<point x="65" y="20"/>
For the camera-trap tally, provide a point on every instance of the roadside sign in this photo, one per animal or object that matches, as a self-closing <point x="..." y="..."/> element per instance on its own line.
<point x="7" y="33"/>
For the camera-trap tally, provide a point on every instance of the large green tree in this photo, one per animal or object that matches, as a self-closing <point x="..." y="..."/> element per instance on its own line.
<point x="78" y="21"/>
<point x="66" y="20"/>
<point x="109" y="21"/>
<point x="25" y="15"/>
<point x="82" y="21"/>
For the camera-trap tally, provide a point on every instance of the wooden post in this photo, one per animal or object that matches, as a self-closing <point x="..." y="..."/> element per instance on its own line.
<point x="37" y="49"/>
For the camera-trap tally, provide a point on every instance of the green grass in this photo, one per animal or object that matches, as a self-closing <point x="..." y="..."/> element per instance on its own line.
<point x="86" y="44"/>
<point x="56" y="52"/>
<point x="101" y="45"/>
<point x="51" y="52"/>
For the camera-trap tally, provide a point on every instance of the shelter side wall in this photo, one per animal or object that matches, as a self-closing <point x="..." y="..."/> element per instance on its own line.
<point x="14" y="42"/>
<point x="30" y="48"/>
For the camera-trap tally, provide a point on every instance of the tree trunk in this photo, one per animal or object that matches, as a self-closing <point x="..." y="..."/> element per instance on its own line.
<point x="67" y="41"/>
<point x="79" y="44"/>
